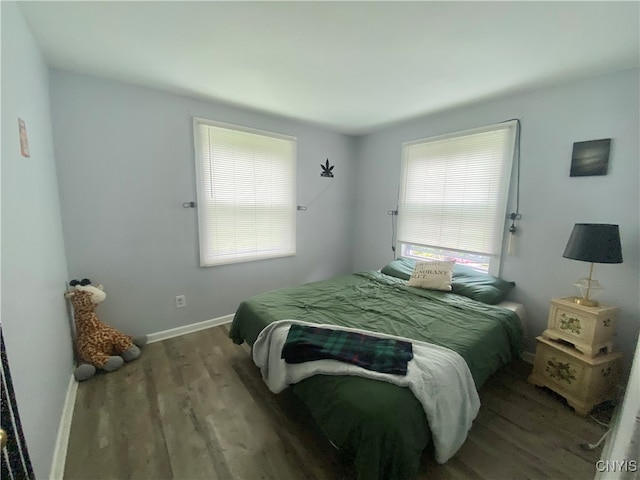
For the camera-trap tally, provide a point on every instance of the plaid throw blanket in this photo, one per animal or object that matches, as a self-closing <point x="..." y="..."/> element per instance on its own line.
<point x="385" y="355"/>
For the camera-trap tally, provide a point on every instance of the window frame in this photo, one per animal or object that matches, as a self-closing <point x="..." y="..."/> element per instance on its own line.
<point x="237" y="257"/>
<point x="494" y="260"/>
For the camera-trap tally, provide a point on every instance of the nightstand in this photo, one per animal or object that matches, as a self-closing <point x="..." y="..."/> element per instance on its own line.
<point x="589" y="329"/>
<point x="584" y="381"/>
<point x="574" y="355"/>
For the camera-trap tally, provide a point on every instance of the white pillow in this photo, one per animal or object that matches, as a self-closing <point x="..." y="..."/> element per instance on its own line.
<point x="432" y="275"/>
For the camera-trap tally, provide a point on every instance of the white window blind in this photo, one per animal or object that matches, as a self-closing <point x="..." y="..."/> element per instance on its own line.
<point x="246" y="193"/>
<point x="454" y="190"/>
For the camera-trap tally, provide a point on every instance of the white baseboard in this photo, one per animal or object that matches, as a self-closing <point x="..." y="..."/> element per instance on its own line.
<point x="64" y="429"/>
<point x="528" y="357"/>
<point x="194" y="327"/>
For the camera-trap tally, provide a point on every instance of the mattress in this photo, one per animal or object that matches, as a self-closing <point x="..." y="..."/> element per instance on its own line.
<point x="520" y="311"/>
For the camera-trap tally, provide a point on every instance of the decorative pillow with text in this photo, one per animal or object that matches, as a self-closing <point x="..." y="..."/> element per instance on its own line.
<point x="432" y="275"/>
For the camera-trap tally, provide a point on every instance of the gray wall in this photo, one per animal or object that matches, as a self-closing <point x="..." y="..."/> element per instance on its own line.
<point x="125" y="166"/>
<point x="34" y="316"/>
<point x="550" y="201"/>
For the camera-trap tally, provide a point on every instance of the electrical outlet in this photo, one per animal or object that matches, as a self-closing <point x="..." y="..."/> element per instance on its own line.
<point x="181" y="301"/>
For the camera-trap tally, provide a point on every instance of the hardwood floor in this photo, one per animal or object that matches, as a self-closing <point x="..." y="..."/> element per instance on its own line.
<point x="195" y="407"/>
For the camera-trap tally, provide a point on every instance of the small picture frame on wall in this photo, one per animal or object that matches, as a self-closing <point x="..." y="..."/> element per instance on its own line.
<point x="590" y="158"/>
<point x="24" y="140"/>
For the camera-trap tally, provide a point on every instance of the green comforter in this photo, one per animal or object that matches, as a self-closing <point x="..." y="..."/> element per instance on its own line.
<point x="382" y="425"/>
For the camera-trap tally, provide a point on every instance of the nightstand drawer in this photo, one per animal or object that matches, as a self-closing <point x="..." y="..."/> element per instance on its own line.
<point x="572" y="324"/>
<point x="589" y="329"/>
<point x="559" y="368"/>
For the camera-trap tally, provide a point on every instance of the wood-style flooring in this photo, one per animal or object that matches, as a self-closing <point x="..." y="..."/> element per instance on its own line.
<point x="195" y="407"/>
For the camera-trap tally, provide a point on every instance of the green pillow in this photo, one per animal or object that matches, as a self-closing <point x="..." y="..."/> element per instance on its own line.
<point x="466" y="281"/>
<point x="400" y="268"/>
<point x="479" y="286"/>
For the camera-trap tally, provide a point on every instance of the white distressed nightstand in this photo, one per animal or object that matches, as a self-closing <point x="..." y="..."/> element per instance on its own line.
<point x="589" y="329"/>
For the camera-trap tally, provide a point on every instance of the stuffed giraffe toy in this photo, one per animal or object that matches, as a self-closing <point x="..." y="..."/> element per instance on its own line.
<point x="97" y="345"/>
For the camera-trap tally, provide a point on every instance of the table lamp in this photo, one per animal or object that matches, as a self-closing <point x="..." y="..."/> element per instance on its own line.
<point x="594" y="243"/>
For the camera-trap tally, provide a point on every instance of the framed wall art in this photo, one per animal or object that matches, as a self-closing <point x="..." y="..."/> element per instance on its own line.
<point x="590" y="158"/>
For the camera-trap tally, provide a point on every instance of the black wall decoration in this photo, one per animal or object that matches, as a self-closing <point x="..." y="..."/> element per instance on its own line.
<point x="590" y="158"/>
<point x="327" y="171"/>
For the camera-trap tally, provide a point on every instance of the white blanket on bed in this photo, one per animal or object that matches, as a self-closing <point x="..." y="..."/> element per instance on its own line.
<point x="437" y="376"/>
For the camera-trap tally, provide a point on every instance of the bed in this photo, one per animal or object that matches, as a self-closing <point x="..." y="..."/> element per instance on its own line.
<point x="382" y="426"/>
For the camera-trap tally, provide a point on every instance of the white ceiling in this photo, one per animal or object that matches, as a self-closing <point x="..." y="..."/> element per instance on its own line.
<point x="349" y="66"/>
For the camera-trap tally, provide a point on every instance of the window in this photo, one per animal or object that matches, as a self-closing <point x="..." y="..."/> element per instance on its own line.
<point x="246" y="193"/>
<point x="453" y="196"/>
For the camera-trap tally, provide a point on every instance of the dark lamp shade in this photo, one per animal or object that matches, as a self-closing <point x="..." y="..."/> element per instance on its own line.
<point x="594" y="242"/>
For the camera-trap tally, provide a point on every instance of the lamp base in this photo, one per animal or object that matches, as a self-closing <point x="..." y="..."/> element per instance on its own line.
<point x="587" y="286"/>
<point x="586" y="302"/>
